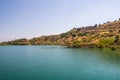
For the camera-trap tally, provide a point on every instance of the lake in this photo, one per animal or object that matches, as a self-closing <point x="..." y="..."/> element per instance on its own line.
<point x="58" y="63"/>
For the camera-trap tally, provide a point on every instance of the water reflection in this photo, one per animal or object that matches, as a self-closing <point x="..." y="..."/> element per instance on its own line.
<point x="58" y="63"/>
<point x="112" y="56"/>
<point x="106" y="55"/>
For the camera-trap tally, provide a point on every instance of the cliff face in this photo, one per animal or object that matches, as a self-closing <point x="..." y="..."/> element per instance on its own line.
<point x="102" y="36"/>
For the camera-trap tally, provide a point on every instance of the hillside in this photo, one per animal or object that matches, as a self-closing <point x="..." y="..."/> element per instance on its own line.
<point x="105" y="35"/>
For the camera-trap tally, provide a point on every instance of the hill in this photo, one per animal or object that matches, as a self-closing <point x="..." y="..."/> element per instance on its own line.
<point x="106" y="35"/>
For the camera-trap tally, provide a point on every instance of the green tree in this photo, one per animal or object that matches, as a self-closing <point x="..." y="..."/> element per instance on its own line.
<point x="105" y="42"/>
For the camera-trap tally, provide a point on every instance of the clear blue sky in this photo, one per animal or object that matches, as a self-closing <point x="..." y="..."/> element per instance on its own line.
<point x="33" y="18"/>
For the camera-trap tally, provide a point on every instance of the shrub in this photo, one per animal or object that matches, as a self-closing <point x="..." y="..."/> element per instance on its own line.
<point x="105" y="42"/>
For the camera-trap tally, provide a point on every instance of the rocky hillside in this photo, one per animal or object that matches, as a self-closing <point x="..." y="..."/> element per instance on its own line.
<point x="105" y="35"/>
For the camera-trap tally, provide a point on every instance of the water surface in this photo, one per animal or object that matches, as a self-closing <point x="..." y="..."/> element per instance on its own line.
<point x="58" y="63"/>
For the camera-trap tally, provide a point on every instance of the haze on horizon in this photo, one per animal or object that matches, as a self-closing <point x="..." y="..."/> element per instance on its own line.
<point x="34" y="18"/>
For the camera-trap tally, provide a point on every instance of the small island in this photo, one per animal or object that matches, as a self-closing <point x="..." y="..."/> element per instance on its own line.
<point x="106" y="35"/>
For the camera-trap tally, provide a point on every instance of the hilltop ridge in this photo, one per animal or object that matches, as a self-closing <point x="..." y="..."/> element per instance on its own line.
<point x="106" y="35"/>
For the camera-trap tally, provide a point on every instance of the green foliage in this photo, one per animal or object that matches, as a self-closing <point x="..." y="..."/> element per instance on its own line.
<point x="73" y="35"/>
<point x="77" y="42"/>
<point x="104" y="42"/>
<point x="23" y="41"/>
<point x="116" y="39"/>
<point x="103" y="36"/>
<point x="82" y="34"/>
<point x="63" y="35"/>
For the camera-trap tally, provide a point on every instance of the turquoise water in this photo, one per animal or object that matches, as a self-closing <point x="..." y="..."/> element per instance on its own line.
<point x="58" y="63"/>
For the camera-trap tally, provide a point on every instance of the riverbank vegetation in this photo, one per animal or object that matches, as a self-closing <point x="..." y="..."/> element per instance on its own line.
<point x="106" y="35"/>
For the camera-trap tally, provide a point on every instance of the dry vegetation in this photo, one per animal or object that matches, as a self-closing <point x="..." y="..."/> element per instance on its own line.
<point x="105" y="35"/>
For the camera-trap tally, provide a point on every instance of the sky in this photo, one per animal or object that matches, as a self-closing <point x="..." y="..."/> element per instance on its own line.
<point x="34" y="18"/>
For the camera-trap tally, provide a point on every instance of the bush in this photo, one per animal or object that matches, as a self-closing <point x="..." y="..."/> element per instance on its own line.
<point x="105" y="42"/>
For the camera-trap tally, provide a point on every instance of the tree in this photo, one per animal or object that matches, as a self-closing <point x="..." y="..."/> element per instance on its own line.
<point x="116" y="39"/>
<point x="105" y="42"/>
<point x="73" y="35"/>
<point x="95" y="25"/>
<point x="119" y="18"/>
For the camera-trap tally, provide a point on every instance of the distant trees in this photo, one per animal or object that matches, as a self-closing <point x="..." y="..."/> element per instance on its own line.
<point x="105" y="42"/>
<point x="102" y="35"/>
<point x="63" y="35"/>
<point x="95" y="25"/>
<point x="73" y="35"/>
<point x="78" y="29"/>
<point x="22" y="41"/>
<point x="116" y="39"/>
